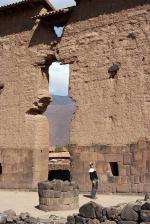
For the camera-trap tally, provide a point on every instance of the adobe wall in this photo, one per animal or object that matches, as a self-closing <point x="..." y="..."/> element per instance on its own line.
<point x="110" y="112"/>
<point x="24" y="47"/>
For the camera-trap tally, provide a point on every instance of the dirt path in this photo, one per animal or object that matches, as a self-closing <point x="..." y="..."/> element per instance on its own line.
<point x="26" y="202"/>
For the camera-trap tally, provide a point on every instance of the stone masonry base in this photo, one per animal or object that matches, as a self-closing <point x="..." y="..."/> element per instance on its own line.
<point x="121" y="169"/>
<point x="58" y="195"/>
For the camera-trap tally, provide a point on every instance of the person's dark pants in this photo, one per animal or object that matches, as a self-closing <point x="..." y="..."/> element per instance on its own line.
<point x="94" y="188"/>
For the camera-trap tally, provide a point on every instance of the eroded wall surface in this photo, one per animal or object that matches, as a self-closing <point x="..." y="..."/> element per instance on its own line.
<point x="109" y="111"/>
<point x="114" y="112"/>
<point x="24" y="47"/>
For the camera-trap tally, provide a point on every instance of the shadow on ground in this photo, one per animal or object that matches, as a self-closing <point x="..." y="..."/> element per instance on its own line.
<point x="87" y="196"/>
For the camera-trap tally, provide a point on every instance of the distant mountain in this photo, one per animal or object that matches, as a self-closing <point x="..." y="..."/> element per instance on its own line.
<point x="61" y="100"/>
<point x="59" y="114"/>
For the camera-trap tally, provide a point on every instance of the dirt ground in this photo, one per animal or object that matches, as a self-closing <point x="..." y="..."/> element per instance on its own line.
<point x="27" y="202"/>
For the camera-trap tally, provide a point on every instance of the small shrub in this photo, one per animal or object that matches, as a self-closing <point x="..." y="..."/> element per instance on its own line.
<point x="59" y="149"/>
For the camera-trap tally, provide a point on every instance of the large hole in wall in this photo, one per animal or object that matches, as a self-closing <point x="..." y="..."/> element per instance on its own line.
<point x="58" y="31"/>
<point x="59" y="114"/>
<point x="62" y="107"/>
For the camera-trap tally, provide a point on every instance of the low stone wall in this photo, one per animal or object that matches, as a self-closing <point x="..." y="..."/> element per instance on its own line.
<point x="131" y="213"/>
<point x="58" y="195"/>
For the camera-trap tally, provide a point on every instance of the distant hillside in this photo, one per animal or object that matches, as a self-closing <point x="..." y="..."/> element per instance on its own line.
<point x="59" y="114"/>
<point x="61" y="100"/>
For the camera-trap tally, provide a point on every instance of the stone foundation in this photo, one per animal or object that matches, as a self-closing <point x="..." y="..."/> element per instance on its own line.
<point x="121" y="169"/>
<point x="58" y="195"/>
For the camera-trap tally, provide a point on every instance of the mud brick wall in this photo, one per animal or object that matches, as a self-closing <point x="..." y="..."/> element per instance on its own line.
<point x="133" y="167"/>
<point x="24" y="44"/>
<point x="100" y="33"/>
<point x="111" y="113"/>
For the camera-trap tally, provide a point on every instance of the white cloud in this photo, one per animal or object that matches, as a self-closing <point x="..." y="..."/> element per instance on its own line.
<point x="59" y="79"/>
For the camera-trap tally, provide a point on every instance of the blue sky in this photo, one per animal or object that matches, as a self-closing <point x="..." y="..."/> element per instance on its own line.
<point x="56" y="3"/>
<point x="62" y="3"/>
<point x="59" y="74"/>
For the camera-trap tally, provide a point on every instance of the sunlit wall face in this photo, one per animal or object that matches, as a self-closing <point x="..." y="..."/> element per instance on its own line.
<point x="58" y="79"/>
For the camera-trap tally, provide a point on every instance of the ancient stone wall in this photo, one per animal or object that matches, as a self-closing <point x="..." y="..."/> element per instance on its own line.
<point x="121" y="169"/>
<point x="107" y="46"/>
<point x="109" y="111"/>
<point x="24" y="49"/>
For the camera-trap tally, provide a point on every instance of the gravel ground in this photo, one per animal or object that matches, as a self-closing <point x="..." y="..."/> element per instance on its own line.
<point x="27" y="201"/>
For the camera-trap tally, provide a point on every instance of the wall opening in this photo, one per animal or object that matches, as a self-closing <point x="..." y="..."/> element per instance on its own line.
<point x="59" y="31"/>
<point x="61" y="109"/>
<point x="1" y="169"/>
<point x="114" y="168"/>
<point x="59" y="114"/>
<point x="59" y="175"/>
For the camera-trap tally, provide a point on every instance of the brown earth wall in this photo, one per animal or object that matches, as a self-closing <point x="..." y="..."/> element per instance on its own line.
<point x="111" y="114"/>
<point x="24" y="45"/>
<point x="108" y="111"/>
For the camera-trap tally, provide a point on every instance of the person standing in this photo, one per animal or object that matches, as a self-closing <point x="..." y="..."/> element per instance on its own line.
<point x="94" y="180"/>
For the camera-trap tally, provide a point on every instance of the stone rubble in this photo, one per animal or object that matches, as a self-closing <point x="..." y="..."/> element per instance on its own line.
<point x="132" y="213"/>
<point x="10" y="217"/>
